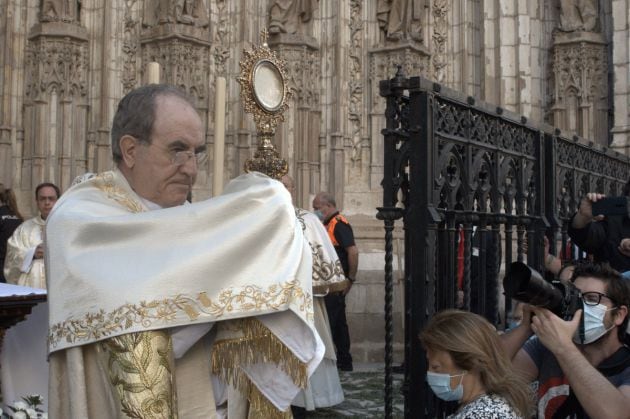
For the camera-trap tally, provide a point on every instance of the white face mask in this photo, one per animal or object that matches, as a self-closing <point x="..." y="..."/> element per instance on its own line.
<point x="594" y="327"/>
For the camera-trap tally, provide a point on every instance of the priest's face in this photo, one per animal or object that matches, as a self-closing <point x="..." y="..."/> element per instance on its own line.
<point x="164" y="171"/>
<point x="46" y="198"/>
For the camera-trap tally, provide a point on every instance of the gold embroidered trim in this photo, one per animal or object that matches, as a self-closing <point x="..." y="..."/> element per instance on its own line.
<point x="256" y="345"/>
<point x="105" y="182"/>
<point x="100" y="324"/>
<point x="140" y="369"/>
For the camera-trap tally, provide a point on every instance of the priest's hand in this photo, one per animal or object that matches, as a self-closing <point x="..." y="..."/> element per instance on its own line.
<point x="39" y="252"/>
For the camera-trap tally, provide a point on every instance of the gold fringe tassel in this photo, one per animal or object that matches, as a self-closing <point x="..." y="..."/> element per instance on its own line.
<point x="260" y="407"/>
<point x="257" y="344"/>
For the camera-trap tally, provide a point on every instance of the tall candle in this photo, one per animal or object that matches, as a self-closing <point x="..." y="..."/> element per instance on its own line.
<point x="219" y="136"/>
<point x="153" y="73"/>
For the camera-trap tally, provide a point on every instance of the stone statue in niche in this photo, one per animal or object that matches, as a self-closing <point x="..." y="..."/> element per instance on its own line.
<point x="400" y="19"/>
<point x="578" y="15"/>
<point x="191" y="12"/>
<point x="60" y="10"/>
<point x="187" y="12"/>
<point x="289" y="16"/>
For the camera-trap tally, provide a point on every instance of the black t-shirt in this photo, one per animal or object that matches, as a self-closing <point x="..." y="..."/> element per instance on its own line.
<point x="8" y="224"/>
<point x="345" y="238"/>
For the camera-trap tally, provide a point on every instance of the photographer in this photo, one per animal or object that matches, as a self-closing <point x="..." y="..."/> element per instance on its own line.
<point x="601" y="234"/>
<point x="578" y="380"/>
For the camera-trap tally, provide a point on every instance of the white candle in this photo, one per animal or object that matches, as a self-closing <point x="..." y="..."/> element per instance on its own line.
<point x="153" y="73"/>
<point x="219" y="136"/>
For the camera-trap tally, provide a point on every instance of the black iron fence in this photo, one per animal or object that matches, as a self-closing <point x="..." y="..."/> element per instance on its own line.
<point x="457" y="171"/>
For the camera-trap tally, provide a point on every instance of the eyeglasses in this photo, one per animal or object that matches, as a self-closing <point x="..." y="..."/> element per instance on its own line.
<point x="592" y="298"/>
<point x="179" y="158"/>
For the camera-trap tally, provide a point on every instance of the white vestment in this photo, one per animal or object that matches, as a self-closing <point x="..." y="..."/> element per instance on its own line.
<point x="115" y="268"/>
<point x="324" y="388"/>
<point x="20" y="267"/>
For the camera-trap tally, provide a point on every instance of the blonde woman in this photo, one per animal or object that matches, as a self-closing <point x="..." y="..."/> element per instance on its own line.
<point x="466" y="363"/>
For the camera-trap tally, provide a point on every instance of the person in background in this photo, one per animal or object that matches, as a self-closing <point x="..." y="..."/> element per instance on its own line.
<point x="466" y="364"/>
<point x="10" y="219"/>
<point x="342" y="237"/>
<point x="24" y="263"/>
<point x="602" y="236"/>
<point x="578" y="376"/>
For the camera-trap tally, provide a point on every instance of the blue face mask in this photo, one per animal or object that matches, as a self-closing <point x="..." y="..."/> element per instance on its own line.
<point x="441" y="385"/>
<point x="319" y="214"/>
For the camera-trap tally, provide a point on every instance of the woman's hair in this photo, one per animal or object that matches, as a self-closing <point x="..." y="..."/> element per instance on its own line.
<point x="474" y="345"/>
<point x="7" y="197"/>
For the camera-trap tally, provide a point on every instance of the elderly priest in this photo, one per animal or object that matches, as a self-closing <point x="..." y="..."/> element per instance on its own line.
<point x="149" y="297"/>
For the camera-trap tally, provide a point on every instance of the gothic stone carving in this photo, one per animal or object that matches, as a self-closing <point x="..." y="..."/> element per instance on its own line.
<point x="184" y="64"/>
<point x="440" y="39"/>
<point x="383" y="61"/>
<point x="130" y="47"/>
<point x="581" y="84"/>
<point x="60" y="63"/>
<point x="355" y="83"/>
<point x="221" y="39"/>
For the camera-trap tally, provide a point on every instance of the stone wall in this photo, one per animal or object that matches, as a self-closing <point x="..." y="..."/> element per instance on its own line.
<point x="65" y="64"/>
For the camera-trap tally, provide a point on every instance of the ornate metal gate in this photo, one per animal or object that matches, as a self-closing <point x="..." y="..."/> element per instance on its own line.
<point x="455" y="169"/>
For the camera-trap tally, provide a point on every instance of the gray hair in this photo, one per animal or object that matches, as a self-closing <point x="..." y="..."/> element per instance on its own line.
<point x="327" y="198"/>
<point x="136" y="113"/>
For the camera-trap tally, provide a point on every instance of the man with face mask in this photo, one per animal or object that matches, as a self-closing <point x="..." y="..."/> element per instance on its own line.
<point x="589" y="378"/>
<point x="342" y="237"/>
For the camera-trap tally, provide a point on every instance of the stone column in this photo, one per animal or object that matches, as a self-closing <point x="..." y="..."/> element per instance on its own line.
<point x="55" y="98"/>
<point x="621" y="69"/>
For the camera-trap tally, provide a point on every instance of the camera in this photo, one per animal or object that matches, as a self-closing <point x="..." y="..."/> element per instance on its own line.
<point x="528" y="286"/>
<point x="616" y="205"/>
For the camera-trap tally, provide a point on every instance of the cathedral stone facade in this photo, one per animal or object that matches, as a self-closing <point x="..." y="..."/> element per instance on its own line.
<point x="64" y="64"/>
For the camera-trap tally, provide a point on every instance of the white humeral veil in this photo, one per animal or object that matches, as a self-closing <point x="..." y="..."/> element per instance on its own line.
<point x="116" y="268"/>
<point x="324" y="388"/>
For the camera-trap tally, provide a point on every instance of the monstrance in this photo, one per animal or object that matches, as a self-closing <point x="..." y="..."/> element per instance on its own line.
<point x="265" y="95"/>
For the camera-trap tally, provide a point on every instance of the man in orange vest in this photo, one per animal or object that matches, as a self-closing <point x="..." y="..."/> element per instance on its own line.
<point x="341" y="235"/>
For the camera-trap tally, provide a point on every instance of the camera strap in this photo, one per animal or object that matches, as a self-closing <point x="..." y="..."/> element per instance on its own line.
<point x="612" y="365"/>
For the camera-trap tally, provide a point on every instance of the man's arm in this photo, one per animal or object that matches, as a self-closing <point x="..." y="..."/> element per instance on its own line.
<point x="353" y="261"/>
<point x="598" y="396"/>
<point x="513" y="341"/>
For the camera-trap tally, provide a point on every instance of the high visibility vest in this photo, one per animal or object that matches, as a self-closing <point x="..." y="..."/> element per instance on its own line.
<point x="331" y="227"/>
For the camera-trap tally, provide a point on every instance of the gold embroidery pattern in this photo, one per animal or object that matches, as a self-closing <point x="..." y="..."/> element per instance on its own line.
<point x="327" y="276"/>
<point x="140" y="368"/>
<point x="100" y="324"/>
<point x="255" y="344"/>
<point x="105" y="182"/>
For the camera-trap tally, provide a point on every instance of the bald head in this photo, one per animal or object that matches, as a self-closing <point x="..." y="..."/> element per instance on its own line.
<point x="324" y="205"/>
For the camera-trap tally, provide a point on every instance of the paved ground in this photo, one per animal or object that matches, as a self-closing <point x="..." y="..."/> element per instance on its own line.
<point x="363" y="391"/>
